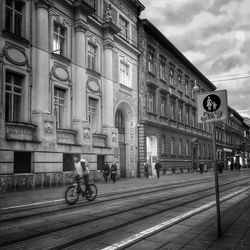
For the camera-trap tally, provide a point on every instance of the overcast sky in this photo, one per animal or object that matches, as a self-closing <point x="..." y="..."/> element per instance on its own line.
<point x="215" y="36"/>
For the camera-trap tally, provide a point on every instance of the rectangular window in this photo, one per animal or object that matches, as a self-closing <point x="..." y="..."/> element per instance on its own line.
<point x="179" y="79"/>
<point x="68" y="162"/>
<point x="13" y="97"/>
<point x="180" y="147"/>
<point x="163" y="107"/>
<point x="92" y="57"/>
<point x="14" y="17"/>
<point x="192" y="90"/>
<point x="151" y="68"/>
<point x="172" y="110"/>
<point x="59" y="107"/>
<point x="150" y="102"/>
<point x="187" y="116"/>
<point x="180" y="113"/>
<point x="93" y="114"/>
<point x="124" y="74"/>
<point x="187" y="147"/>
<point x="193" y="119"/>
<point x="162" y="68"/>
<point x="59" y="39"/>
<point x="172" y="146"/>
<point x="123" y="25"/>
<point x="163" y="145"/>
<point x="186" y="86"/>
<point x="22" y="162"/>
<point x="171" y="75"/>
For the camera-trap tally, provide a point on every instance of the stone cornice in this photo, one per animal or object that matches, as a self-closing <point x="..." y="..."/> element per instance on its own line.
<point x="44" y="4"/>
<point x="111" y="28"/>
<point x="80" y="26"/>
<point x="85" y="6"/>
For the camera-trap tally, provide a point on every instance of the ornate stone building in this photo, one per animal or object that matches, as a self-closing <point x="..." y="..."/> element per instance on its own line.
<point x="68" y="85"/>
<point x="168" y="129"/>
<point x="232" y="140"/>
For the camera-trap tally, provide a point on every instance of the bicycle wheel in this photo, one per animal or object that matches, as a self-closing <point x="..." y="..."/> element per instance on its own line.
<point x="71" y="195"/>
<point x="91" y="192"/>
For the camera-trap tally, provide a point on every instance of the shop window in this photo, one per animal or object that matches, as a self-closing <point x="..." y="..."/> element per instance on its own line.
<point x="22" y="162"/>
<point x="68" y="162"/>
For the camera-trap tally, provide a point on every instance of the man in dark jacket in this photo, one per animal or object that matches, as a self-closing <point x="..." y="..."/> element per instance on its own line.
<point x="158" y="168"/>
<point x="106" y="171"/>
<point x="113" y="171"/>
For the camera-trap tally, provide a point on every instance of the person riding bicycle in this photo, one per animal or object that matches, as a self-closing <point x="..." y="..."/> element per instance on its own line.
<point x="81" y="170"/>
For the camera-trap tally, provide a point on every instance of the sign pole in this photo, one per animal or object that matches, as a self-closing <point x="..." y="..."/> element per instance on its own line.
<point x="217" y="194"/>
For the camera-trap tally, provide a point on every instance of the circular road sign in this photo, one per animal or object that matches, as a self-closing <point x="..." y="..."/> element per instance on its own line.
<point x="211" y="103"/>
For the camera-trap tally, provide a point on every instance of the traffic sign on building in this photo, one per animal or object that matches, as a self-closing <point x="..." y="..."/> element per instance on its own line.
<point x="212" y="106"/>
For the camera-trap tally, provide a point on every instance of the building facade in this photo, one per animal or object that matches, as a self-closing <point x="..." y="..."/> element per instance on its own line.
<point x="168" y="128"/>
<point x="232" y="140"/>
<point x="69" y="85"/>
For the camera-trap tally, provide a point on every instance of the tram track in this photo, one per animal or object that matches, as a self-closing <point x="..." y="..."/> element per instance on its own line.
<point x="105" y="197"/>
<point x="134" y="220"/>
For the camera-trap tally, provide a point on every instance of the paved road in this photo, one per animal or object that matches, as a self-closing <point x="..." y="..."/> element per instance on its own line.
<point x="169" y="213"/>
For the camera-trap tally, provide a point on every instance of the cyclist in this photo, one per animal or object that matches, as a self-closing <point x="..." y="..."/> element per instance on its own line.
<point x="81" y="170"/>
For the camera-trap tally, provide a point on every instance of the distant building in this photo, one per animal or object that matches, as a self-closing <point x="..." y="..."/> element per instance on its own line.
<point x="69" y="82"/>
<point x="168" y="128"/>
<point x="232" y="140"/>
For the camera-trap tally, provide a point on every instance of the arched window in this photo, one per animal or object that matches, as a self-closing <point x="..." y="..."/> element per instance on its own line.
<point x="119" y="121"/>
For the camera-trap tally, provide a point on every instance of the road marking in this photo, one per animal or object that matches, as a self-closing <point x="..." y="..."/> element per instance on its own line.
<point x="32" y="204"/>
<point x="146" y="233"/>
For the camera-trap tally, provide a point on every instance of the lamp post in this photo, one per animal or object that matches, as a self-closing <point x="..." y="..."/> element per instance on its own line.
<point x="217" y="195"/>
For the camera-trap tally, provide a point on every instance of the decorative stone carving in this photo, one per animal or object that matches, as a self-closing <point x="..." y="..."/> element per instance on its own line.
<point x="48" y="127"/>
<point x="107" y="16"/>
<point x="16" y="55"/>
<point x="86" y="133"/>
<point x="65" y="136"/>
<point x="93" y="86"/>
<point x="19" y="131"/>
<point x="60" y="72"/>
<point x="114" y="137"/>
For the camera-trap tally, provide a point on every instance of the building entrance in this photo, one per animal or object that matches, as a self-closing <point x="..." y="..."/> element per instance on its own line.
<point x="120" y="125"/>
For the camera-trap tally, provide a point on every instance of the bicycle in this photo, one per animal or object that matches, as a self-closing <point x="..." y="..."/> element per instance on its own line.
<point x="73" y="192"/>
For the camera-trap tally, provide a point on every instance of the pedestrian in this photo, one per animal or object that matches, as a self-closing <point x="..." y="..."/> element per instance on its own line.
<point x="113" y="171"/>
<point x="158" y="168"/>
<point x="146" y="169"/>
<point x="106" y="171"/>
<point x="201" y="167"/>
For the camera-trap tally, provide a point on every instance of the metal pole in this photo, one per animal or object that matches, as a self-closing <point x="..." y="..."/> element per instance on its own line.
<point x="217" y="194"/>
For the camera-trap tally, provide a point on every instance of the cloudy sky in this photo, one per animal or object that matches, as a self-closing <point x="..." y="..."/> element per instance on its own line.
<point x="215" y="36"/>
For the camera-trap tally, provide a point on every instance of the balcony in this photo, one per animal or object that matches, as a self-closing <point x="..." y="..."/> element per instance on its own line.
<point x="66" y="136"/>
<point x="99" y="140"/>
<point x="20" y="131"/>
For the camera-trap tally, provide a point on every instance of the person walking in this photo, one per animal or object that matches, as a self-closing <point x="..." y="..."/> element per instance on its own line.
<point x="106" y="171"/>
<point x="201" y="167"/>
<point x="146" y="169"/>
<point x="158" y="168"/>
<point x="113" y="171"/>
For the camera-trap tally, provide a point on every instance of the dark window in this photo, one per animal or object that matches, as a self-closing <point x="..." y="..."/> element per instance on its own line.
<point x="14" y="17"/>
<point x="22" y="162"/>
<point x="100" y="161"/>
<point x="68" y="162"/>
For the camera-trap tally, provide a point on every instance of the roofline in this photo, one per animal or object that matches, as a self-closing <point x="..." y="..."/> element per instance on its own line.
<point x="159" y="34"/>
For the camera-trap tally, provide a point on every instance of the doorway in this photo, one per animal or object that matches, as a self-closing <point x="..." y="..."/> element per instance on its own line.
<point x="152" y="153"/>
<point x="120" y="125"/>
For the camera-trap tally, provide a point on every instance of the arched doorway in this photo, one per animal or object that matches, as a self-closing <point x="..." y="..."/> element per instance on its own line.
<point x="152" y="152"/>
<point x="120" y="125"/>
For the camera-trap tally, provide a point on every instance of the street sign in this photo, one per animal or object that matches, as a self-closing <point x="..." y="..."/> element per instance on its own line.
<point x="212" y="106"/>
